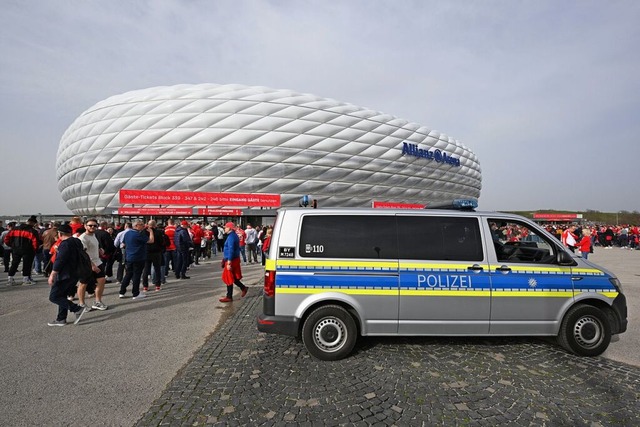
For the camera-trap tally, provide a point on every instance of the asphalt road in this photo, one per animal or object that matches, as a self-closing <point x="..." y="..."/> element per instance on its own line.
<point x="113" y="366"/>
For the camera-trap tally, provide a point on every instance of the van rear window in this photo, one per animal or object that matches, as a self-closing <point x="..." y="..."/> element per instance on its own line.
<point x="391" y="237"/>
<point x="348" y="236"/>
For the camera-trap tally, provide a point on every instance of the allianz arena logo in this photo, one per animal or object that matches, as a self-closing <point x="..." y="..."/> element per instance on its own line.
<point x="437" y="155"/>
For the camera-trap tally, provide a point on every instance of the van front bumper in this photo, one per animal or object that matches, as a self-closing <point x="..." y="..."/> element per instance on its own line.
<point x="283" y="325"/>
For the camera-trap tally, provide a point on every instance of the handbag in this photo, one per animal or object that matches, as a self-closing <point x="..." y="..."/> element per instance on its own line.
<point x="227" y="276"/>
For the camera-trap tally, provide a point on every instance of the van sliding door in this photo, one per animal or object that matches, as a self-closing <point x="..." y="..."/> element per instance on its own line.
<point x="444" y="277"/>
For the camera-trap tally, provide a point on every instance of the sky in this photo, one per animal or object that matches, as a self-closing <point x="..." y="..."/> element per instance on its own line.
<point x="545" y="93"/>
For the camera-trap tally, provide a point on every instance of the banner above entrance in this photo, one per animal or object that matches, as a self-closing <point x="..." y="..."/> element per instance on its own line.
<point x="192" y="198"/>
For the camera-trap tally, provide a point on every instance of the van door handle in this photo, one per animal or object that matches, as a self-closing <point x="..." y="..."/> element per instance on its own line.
<point x="475" y="267"/>
<point x="503" y="269"/>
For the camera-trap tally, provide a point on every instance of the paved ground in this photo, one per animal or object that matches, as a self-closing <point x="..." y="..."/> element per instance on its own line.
<point x="135" y="359"/>
<point x="108" y="369"/>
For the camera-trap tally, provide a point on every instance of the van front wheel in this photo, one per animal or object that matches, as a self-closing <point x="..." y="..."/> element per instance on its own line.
<point x="329" y="333"/>
<point x="585" y="331"/>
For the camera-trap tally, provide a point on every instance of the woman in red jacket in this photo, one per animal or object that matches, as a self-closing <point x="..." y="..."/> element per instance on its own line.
<point x="584" y="245"/>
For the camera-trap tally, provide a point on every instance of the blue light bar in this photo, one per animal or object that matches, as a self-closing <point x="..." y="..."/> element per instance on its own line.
<point x="465" y="203"/>
<point x="459" y="204"/>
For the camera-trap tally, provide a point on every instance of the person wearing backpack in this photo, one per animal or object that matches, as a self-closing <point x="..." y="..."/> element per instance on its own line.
<point x="63" y="276"/>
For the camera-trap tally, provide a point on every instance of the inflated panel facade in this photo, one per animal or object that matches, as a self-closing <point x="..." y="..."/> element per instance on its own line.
<point x="241" y="139"/>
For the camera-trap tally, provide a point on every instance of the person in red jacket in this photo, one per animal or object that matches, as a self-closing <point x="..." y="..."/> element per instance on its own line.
<point x="198" y="234"/>
<point x="242" y="236"/>
<point x="170" y="251"/>
<point x="584" y="245"/>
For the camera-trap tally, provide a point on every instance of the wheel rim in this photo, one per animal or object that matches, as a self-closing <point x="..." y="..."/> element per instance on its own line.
<point x="588" y="331"/>
<point x="330" y="334"/>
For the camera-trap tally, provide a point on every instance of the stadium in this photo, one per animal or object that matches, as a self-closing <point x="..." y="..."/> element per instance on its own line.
<point x="254" y="140"/>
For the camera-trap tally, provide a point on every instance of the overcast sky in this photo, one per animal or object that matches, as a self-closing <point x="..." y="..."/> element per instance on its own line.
<point x="545" y="93"/>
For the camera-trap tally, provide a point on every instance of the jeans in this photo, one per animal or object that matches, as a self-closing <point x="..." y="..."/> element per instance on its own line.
<point x="182" y="264"/>
<point x="37" y="260"/>
<point x="585" y="255"/>
<point x="253" y="252"/>
<point x="243" y="253"/>
<point x="133" y="274"/>
<point x="58" y="296"/>
<point x="169" y="257"/>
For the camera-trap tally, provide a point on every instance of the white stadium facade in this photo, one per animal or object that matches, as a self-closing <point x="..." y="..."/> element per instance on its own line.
<point x="256" y="140"/>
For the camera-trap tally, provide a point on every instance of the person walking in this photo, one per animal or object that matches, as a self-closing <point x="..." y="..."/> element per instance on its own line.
<point x="93" y="285"/>
<point x="24" y="241"/>
<point x="63" y="277"/>
<point x="231" y="262"/>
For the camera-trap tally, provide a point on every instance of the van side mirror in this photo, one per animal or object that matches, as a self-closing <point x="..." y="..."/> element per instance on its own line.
<point x="565" y="259"/>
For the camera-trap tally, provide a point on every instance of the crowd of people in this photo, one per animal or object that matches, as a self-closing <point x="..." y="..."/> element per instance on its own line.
<point x="581" y="238"/>
<point x="134" y="253"/>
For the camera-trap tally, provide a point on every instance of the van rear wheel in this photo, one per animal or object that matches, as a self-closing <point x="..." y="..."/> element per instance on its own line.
<point x="585" y="331"/>
<point x="329" y="333"/>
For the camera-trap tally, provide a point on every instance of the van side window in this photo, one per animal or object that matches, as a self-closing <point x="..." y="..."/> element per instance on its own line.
<point x="348" y="236"/>
<point x="439" y="238"/>
<point x="517" y="242"/>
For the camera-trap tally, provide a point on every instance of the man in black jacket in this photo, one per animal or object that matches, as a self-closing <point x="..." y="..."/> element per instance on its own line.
<point x="24" y="242"/>
<point x="63" y="276"/>
<point x="107" y="249"/>
<point x="154" y="257"/>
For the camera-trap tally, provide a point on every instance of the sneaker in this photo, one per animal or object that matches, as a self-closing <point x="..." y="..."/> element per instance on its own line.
<point x="57" y="323"/>
<point x="28" y="281"/>
<point x="185" y="277"/>
<point x="91" y="295"/>
<point x="70" y="297"/>
<point x="99" y="306"/>
<point x="157" y="288"/>
<point x="145" y="289"/>
<point x="141" y="295"/>
<point x="85" y="306"/>
<point x="244" y="291"/>
<point x="226" y="299"/>
<point x="11" y="281"/>
<point x="120" y="295"/>
<point x="80" y="313"/>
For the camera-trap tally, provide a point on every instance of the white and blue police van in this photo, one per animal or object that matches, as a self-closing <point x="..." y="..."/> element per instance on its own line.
<point x="333" y="275"/>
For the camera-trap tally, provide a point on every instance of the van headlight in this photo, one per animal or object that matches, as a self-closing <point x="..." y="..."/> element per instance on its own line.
<point x="616" y="283"/>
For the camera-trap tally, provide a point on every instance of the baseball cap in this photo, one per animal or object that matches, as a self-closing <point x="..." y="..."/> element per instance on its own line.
<point x="230" y="225"/>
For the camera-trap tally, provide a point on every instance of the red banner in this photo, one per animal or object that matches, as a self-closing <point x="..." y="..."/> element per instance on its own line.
<point x="219" y="212"/>
<point x="158" y="197"/>
<point x="556" y="216"/>
<point x="392" y="205"/>
<point x="156" y="211"/>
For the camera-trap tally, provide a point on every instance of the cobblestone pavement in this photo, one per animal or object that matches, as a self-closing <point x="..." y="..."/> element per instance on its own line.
<point x="243" y="377"/>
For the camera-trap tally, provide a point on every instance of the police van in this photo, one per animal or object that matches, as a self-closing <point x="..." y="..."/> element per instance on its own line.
<point x="333" y="275"/>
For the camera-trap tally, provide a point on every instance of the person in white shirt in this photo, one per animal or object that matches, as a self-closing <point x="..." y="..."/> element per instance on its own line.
<point x="251" y="242"/>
